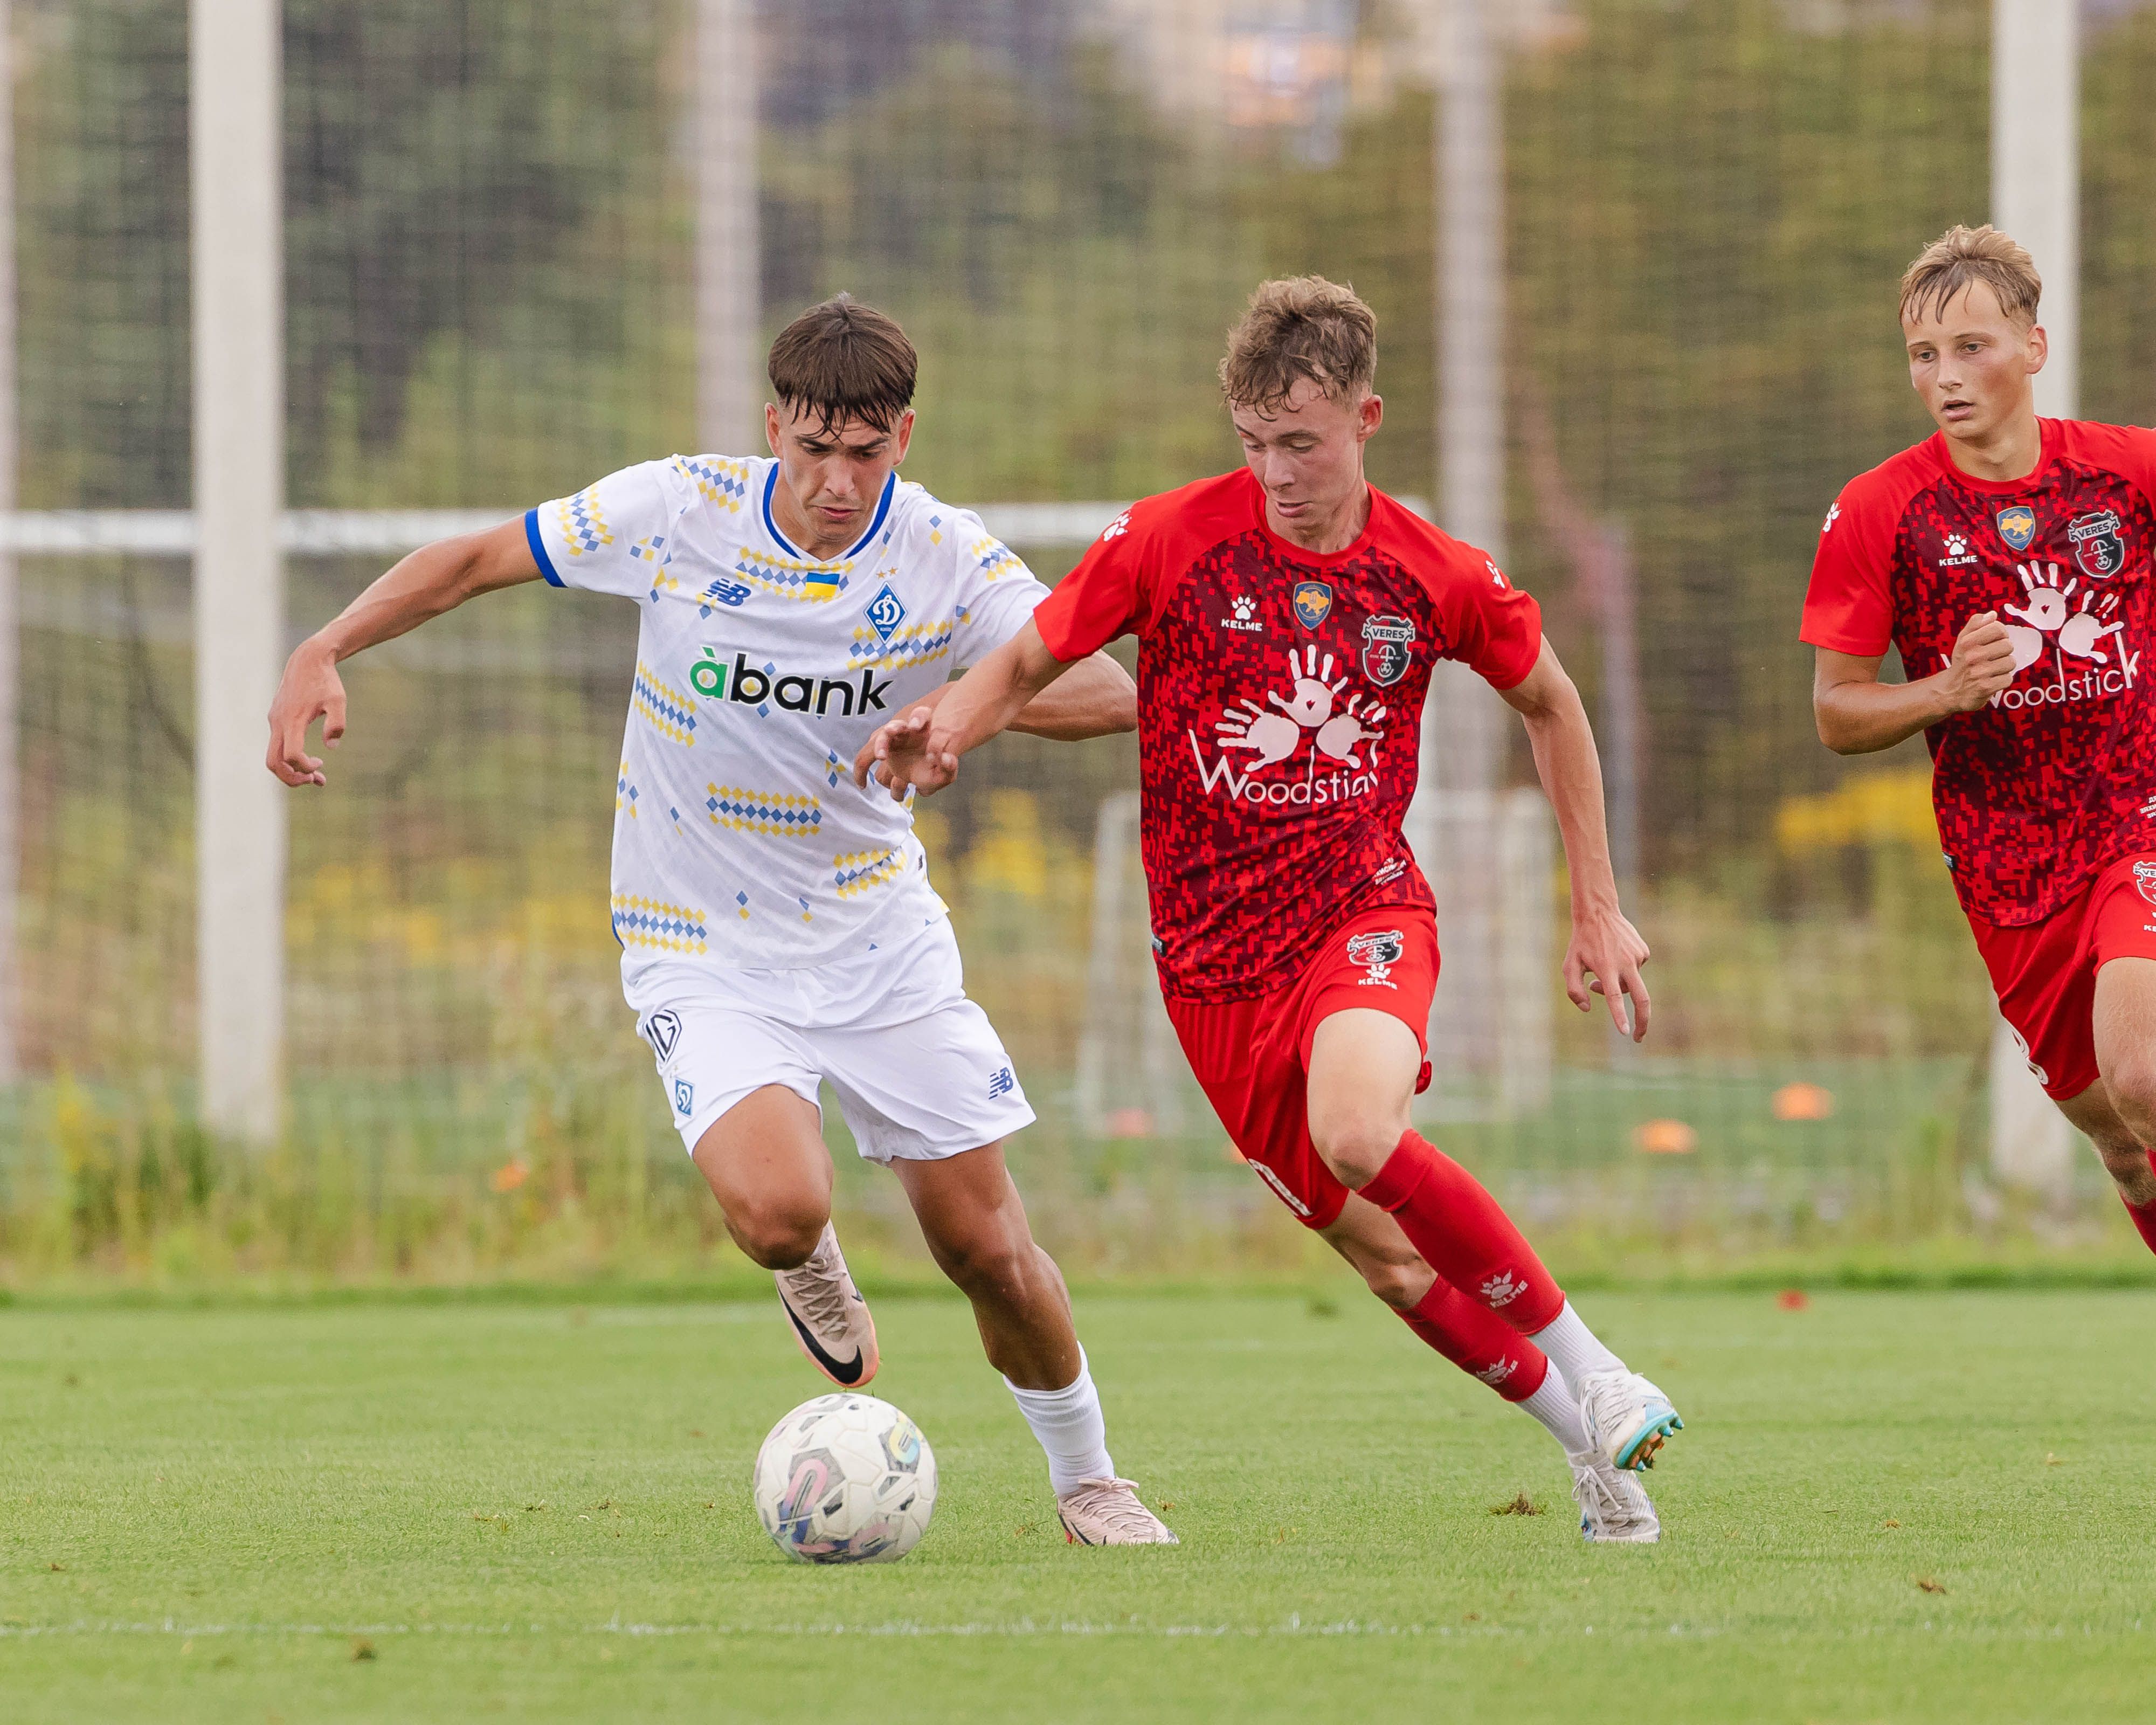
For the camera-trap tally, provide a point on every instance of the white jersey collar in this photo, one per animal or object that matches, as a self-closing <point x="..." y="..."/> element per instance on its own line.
<point x="875" y="525"/>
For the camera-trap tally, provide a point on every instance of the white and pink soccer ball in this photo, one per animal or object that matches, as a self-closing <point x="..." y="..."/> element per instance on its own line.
<point x="845" y="1479"/>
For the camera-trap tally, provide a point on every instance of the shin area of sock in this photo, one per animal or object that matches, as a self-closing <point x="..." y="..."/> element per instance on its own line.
<point x="1463" y="1233"/>
<point x="1478" y="1342"/>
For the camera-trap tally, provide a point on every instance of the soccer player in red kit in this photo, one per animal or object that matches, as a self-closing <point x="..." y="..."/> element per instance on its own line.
<point x="1289" y="616"/>
<point x="2007" y="557"/>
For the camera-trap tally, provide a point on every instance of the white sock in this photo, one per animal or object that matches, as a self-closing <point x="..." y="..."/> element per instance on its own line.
<point x="1068" y="1424"/>
<point x="1554" y="1405"/>
<point x="1573" y="1348"/>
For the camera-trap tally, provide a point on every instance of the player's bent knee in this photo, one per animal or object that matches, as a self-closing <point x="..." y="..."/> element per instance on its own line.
<point x="1400" y="1286"/>
<point x="1355" y="1146"/>
<point x="2132" y="1087"/>
<point x="778" y="1232"/>
<point x="995" y="1269"/>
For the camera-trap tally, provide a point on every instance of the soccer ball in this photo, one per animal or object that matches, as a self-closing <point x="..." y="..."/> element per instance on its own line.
<point x="845" y="1479"/>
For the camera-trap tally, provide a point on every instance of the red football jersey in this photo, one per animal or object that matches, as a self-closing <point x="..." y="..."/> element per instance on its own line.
<point x="2056" y="776"/>
<point x="1279" y="708"/>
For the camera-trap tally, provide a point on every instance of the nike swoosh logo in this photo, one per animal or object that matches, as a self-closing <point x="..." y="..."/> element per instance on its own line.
<point x="846" y="1372"/>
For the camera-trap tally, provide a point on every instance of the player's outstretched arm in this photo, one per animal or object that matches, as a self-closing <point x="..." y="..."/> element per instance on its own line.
<point x="1095" y="697"/>
<point x="1605" y="954"/>
<point x="1859" y="715"/>
<point x="435" y="579"/>
<point x="919" y="750"/>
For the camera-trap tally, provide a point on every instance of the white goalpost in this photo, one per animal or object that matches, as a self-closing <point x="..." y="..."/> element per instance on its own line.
<point x="237" y="129"/>
<point x="2036" y="196"/>
<point x="1485" y="849"/>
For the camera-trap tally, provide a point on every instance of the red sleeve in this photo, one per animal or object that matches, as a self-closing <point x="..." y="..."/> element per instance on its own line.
<point x="1848" y="607"/>
<point x="1485" y="622"/>
<point x="1100" y="599"/>
<point x="1490" y="626"/>
<point x="1127" y="576"/>
<point x="2127" y="450"/>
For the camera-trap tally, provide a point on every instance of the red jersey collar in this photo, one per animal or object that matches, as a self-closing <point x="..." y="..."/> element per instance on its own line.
<point x="2047" y="433"/>
<point x="1317" y="559"/>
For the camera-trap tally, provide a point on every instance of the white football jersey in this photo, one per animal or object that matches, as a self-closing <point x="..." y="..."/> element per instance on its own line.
<point x="740" y="840"/>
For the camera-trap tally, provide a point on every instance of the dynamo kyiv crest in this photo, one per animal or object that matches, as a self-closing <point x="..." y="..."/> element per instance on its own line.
<point x="1313" y="602"/>
<point x="2017" y="525"/>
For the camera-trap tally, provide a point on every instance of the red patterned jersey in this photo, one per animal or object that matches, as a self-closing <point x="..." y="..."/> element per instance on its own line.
<point x="2056" y="776"/>
<point x="1279" y="706"/>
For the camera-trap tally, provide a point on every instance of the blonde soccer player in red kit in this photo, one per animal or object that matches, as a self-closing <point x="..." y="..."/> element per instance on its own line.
<point x="2007" y="558"/>
<point x="1289" y="616"/>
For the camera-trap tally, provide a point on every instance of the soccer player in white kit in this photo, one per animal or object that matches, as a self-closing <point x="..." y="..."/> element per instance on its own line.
<point x="777" y="926"/>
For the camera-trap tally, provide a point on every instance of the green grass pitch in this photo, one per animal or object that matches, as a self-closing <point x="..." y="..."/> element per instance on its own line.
<point x="1901" y="1507"/>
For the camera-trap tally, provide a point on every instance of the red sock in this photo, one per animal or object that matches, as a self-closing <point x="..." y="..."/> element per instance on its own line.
<point x="1478" y="1342"/>
<point x="1463" y="1235"/>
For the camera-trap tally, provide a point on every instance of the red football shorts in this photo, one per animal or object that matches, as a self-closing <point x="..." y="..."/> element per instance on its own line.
<point x="2044" y="974"/>
<point x="1252" y="1056"/>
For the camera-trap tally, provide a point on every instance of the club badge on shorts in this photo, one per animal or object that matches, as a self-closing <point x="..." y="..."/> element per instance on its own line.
<point x="1385" y="643"/>
<point x="1377" y="951"/>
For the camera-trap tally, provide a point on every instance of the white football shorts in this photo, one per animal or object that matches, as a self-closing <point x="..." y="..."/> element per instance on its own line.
<point x="919" y="1070"/>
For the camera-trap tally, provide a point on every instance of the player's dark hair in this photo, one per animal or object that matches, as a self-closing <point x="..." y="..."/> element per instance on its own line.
<point x="1295" y="328"/>
<point x="1959" y="258"/>
<point x="843" y="360"/>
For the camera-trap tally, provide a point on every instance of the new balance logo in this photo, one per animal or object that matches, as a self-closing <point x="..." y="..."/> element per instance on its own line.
<point x="1002" y="1083"/>
<point x="1503" y="1288"/>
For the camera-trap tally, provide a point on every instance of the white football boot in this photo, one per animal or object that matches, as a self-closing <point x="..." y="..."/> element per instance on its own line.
<point x="1108" y="1513"/>
<point x="1626" y="1417"/>
<point x="1614" y="1507"/>
<point x="830" y="1319"/>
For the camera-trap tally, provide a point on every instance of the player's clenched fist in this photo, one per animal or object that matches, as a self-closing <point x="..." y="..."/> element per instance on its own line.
<point x="903" y="756"/>
<point x="1983" y="662"/>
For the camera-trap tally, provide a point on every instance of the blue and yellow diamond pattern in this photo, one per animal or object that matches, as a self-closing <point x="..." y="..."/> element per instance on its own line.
<point x="583" y="527"/>
<point x="859" y="871"/>
<point x="670" y="712"/>
<point x="652" y="923"/>
<point x="777" y="814"/>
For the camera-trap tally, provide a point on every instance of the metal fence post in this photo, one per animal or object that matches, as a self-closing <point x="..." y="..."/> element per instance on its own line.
<point x="728" y="262"/>
<point x="2036" y="196"/>
<point x="236" y="142"/>
<point x="11" y="833"/>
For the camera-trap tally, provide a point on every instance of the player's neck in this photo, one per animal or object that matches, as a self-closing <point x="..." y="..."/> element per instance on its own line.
<point x="1325" y="534"/>
<point x="2012" y="451"/>
<point x="802" y="532"/>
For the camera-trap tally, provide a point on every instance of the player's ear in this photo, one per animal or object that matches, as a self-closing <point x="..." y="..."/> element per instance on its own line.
<point x="771" y="425"/>
<point x="1369" y="416"/>
<point x="905" y="435"/>
<point x="2039" y="348"/>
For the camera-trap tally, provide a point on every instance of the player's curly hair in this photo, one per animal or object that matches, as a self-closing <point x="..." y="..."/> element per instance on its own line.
<point x="1959" y="258"/>
<point x="1299" y="327"/>
<point x="844" y="360"/>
